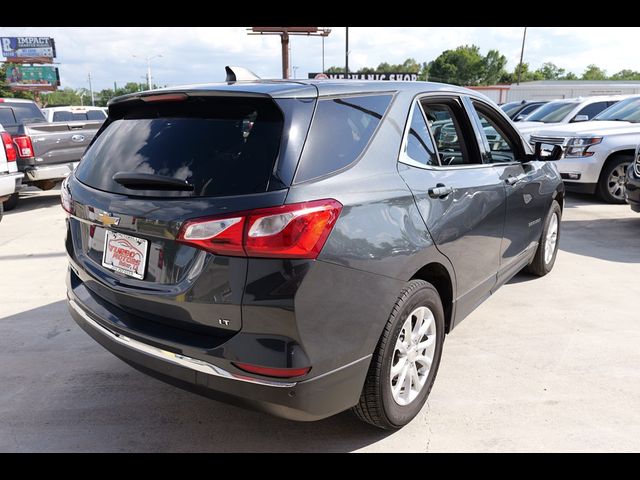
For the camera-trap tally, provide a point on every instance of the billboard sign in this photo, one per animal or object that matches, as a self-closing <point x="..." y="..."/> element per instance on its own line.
<point x="28" y="49"/>
<point x="393" y="77"/>
<point x="37" y="77"/>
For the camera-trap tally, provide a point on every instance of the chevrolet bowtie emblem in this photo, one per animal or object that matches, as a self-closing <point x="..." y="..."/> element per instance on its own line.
<point x="108" y="220"/>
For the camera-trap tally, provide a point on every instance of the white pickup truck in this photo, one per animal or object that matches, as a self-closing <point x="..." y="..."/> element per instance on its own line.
<point x="596" y="154"/>
<point x="10" y="178"/>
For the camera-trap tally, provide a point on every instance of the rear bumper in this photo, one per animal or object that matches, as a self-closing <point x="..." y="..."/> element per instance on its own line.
<point x="307" y="400"/>
<point x="49" y="172"/>
<point x="10" y="183"/>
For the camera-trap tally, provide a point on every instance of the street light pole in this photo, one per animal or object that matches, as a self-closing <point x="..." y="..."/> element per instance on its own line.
<point x="148" y="59"/>
<point x="93" y="102"/>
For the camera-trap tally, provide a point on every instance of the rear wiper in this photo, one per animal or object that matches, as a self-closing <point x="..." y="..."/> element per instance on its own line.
<point x="148" y="181"/>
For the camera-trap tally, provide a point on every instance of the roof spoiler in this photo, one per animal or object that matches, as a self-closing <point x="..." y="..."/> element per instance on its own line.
<point x="240" y="74"/>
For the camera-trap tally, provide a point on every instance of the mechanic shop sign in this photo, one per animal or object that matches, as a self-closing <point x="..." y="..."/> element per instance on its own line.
<point x="393" y="77"/>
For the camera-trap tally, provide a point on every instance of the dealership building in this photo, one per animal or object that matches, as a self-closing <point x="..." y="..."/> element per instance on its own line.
<point x="554" y="89"/>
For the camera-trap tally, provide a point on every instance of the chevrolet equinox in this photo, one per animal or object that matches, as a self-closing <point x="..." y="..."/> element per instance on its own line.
<point x="302" y="247"/>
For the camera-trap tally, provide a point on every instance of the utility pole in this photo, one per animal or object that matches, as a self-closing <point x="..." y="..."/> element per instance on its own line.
<point x="115" y="87"/>
<point x="524" y="36"/>
<point x="346" y="55"/>
<point x="148" y="59"/>
<point x="285" y="33"/>
<point x="93" y="102"/>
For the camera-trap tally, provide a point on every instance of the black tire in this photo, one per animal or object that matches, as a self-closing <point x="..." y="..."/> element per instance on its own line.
<point x="11" y="202"/>
<point x="538" y="265"/>
<point x="377" y="405"/>
<point x="603" y="182"/>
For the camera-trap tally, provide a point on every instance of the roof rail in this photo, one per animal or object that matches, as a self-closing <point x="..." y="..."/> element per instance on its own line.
<point x="240" y="74"/>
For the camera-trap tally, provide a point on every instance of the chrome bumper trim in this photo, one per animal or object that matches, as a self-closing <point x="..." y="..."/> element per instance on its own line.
<point x="50" y="172"/>
<point x="182" y="360"/>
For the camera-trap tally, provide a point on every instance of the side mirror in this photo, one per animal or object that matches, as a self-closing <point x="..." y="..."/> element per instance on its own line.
<point x="519" y="118"/>
<point x="580" y="118"/>
<point x="546" y="152"/>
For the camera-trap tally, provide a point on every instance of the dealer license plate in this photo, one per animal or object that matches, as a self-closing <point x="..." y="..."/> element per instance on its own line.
<point x="125" y="254"/>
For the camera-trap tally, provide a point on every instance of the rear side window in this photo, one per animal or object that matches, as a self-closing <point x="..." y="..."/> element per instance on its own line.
<point x="95" y="115"/>
<point x="62" y="116"/>
<point x="28" y="113"/>
<point x="221" y="145"/>
<point x="419" y="145"/>
<point x="340" y="130"/>
<point x="7" y="117"/>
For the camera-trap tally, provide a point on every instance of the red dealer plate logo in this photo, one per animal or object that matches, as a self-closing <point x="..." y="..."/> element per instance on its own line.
<point x="125" y="254"/>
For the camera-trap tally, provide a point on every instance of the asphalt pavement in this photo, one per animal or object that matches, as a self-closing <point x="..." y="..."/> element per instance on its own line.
<point x="546" y="364"/>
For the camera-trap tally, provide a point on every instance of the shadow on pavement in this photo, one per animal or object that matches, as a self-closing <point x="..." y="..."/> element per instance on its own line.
<point x="613" y="239"/>
<point x="573" y="200"/>
<point x="64" y="392"/>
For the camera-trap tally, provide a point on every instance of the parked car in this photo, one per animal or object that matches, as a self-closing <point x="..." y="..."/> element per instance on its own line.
<point x="47" y="152"/>
<point x="315" y="265"/>
<point x="518" y="111"/>
<point x="74" y="113"/>
<point x="596" y="154"/>
<point x="570" y="110"/>
<point x="10" y="178"/>
<point x="632" y="186"/>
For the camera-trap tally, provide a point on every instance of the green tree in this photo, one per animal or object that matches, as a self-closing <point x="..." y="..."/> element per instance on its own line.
<point x="626" y="75"/>
<point x="462" y="66"/>
<point x="593" y="72"/>
<point x="570" y="76"/>
<point x="494" y="64"/>
<point x="65" y="96"/>
<point x="525" y="75"/>
<point x="550" y="71"/>
<point x="466" y="66"/>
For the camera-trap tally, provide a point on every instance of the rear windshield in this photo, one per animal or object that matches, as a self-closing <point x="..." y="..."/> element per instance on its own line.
<point x="222" y="146"/>
<point x="65" y="116"/>
<point x="20" y="113"/>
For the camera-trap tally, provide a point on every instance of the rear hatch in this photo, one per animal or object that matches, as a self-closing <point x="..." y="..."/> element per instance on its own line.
<point x="228" y="150"/>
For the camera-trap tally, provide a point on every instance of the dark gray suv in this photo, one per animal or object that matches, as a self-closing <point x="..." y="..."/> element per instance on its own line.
<point x="302" y="247"/>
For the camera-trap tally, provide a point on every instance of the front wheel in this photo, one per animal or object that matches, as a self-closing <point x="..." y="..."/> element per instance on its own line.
<point x="547" y="251"/>
<point x="406" y="360"/>
<point x="612" y="179"/>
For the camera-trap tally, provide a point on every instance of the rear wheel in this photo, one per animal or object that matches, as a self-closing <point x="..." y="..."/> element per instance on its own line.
<point x="545" y="256"/>
<point x="406" y="360"/>
<point x="612" y="178"/>
<point x="11" y="202"/>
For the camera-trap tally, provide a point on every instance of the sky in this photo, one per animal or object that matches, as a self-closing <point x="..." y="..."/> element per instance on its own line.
<point x="195" y="55"/>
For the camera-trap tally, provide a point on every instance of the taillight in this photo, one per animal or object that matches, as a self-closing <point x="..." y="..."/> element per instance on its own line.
<point x="9" y="148"/>
<point x="273" y="372"/>
<point x="25" y="148"/>
<point x="298" y="230"/>
<point x="65" y="197"/>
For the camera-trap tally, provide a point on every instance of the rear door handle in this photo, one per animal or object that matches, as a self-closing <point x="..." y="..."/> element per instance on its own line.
<point x="511" y="180"/>
<point x="440" y="191"/>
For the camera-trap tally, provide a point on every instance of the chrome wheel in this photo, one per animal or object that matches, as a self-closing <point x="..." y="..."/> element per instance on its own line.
<point x="413" y="356"/>
<point x="551" y="239"/>
<point x="615" y="182"/>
